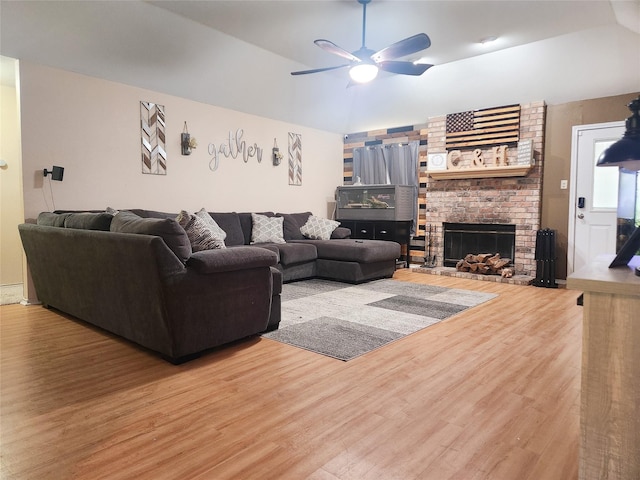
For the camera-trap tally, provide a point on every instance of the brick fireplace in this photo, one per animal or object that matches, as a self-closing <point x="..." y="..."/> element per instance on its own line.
<point x="490" y="201"/>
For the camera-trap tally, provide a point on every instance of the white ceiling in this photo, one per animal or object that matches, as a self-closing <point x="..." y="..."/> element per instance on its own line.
<point x="238" y="54"/>
<point x="288" y="28"/>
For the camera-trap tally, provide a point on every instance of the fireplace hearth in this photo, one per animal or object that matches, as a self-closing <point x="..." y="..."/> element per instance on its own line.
<point x="461" y="239"/>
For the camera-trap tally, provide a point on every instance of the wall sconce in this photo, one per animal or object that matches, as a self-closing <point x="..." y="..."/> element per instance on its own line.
<point x="187" y="142"/>
<point x="277" y="156"/>
<point x="56" y="174"/>
<point x="625" y="152"/>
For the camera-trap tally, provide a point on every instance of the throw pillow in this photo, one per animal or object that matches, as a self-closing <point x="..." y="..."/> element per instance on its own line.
<point x="171" y="232"/>
<point x="318" y="228"/>
<point x="89" y="221"/>
<point x="200" y="235"/>
<point x="292" y="224"/>
<point x="211" y="223"/>
<point x="230" y="223"/>
<point x="266" y="229"/>
<point x="52" y="219"/>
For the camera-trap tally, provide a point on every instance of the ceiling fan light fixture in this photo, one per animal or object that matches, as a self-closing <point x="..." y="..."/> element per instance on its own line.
<point x="365" y="63"/>
<point x="363" y="72"/>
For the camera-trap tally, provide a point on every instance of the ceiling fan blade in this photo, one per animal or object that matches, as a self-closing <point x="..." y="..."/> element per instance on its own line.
<point x="331" y="47"/>
<point x="404" y="68"/>
<point x="403" y="47"/>
<point x="316" y="70"/>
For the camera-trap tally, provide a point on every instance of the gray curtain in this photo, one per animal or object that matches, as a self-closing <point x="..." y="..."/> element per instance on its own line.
<point x="370" y="165"/>
<point x="391" y="164"/>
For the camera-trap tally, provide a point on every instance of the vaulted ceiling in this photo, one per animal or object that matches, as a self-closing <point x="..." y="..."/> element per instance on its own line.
<point x="238" y="54"/>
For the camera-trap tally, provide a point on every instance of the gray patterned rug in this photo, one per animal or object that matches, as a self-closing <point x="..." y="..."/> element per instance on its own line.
<point x="344" y="321"/>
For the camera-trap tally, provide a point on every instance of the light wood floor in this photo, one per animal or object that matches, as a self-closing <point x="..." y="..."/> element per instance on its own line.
<point x="492" y="393"/>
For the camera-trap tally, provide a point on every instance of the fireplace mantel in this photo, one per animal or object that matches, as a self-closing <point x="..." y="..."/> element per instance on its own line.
<point x="487" y="172"/>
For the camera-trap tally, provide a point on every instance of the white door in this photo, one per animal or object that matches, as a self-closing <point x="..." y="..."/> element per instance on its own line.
<point x="594" y="195"/>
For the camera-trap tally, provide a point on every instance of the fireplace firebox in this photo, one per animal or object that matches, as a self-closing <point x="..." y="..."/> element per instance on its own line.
<point x="461" y="239"/>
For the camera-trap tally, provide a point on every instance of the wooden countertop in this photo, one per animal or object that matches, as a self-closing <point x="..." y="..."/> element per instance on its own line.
<point x="598" y="277"/>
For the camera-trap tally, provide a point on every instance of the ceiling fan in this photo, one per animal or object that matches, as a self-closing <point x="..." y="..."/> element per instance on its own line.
<point x="366" y="63"/>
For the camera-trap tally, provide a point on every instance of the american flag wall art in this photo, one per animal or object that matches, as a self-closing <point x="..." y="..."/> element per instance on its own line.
<point x="483" y="128"/>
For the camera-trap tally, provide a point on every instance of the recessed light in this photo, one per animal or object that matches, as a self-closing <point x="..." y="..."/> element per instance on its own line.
<point x="486" y="40"/>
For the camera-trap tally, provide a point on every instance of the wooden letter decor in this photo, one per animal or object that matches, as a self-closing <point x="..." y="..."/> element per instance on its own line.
<point x="477" y="160"/>
<point x="479" y="164"/>
<point x="154" y="156"/>
<point x="483" y="128"/>
<point x="500" y="155"/>
<point x="453" y="159"/>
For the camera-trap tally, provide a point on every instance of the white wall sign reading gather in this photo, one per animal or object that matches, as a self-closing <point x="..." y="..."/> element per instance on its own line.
<point x="234" y="146"/>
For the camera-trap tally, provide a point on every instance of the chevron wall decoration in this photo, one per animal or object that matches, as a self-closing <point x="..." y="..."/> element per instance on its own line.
<point x="154" y="156"/>
<point x="295" y="159"/>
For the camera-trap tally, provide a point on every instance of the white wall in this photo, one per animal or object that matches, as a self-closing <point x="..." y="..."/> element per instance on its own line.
<point x="91" y="127"/>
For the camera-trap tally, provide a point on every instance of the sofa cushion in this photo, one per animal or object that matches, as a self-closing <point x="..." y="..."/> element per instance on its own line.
<point x="318" y="228"/>
<point x="266" y="229"/>
<point x="89" y="221"/>
<point x="351" y="250"/>
<point x="292" y="224"/>
<point x="151" y="213"/>
<point x="211" y="223"/>
<point x="171" y="232"/>
<point x="292" y="253"/>
<point x="341" y="232"/>
<point x="230" y="223"/>
<point x="49" y="219"/>
<point x="201" y="236"/>
<point x="269" y="246"/>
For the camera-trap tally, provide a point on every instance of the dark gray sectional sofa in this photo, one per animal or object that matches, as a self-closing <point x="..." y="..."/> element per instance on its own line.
<point x="136" y="276"/>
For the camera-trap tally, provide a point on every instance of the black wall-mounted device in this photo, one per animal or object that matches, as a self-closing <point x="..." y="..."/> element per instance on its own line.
<point x="56" y="174"/>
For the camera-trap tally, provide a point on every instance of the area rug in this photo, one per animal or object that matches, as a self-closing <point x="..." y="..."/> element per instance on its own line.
<point x="344" y="321"/>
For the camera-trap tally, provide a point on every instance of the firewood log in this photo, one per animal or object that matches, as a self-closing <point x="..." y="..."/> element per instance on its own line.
<point x="492" y="260"/>
<point x="484" y="269"/>
<point x="482" y="257"/>
<point x="503" y="262"/>
<point x="507" y="272"/>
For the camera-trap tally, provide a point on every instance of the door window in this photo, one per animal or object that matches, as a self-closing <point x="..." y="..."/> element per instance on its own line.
<point x="605" y="180"/>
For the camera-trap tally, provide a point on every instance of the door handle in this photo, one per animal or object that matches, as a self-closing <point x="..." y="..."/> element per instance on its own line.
<point x="581" y="216"/>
